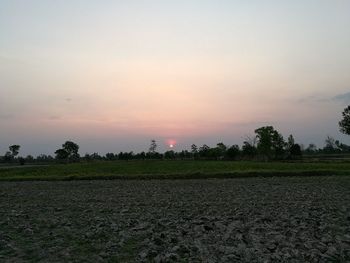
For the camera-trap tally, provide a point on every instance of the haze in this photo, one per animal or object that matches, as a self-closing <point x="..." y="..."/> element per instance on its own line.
<point x="112" y="75"/>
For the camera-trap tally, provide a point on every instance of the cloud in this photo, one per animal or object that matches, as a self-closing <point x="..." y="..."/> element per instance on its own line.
<point x="343" y="98"/>
<point x="310" y="98"/>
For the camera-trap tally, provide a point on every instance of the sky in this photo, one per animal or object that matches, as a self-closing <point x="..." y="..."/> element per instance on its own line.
<point x="112" y="75"/>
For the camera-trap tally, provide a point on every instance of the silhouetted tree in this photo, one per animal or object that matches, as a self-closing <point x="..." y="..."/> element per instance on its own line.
<point x="153" y="146"/>
<point x="290" y="142"/>
<point x="125" y="156"/>
<point x="140" y="156"/>
<point x="232" y="152"/>
<point x="249" y="150"/>
<point x="220" y="150"/>
<point x="169" y="155"/>
<point x="295" y="151"/>
<point x="29" y="159"/>
<point x="342" y="147"/>
<point x="194" y="151"/>
<point x="21" y="160"/>
<point x="72" y="150"/>
<point x="194" y="148"/>
<point x="111" y="156"/>
<point x="330" y="145"/>
<point x="184" y="155"/>
<point x="204" y="151"/>
<point x="44" y="158"/>
<point x="270" y="142"/>
<point x="87" y="157"/>
<point x="8" y="157"/>
<point x="311" y="149"/>
<point x="69" y="152"/>
<point x="14" y="149"/>
<point x="344" y="124"/>
<point x="62" y="154"/>
<point x="93" y="156"/>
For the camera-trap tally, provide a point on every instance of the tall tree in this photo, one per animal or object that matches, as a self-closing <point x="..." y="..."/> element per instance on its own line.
<point x="204" y="151"/>
<point x="270" y="142"/>
<point x="71" y="148"/>
<point x="194" y="149"/>
<point x="61" y="154"/>
<point x="344" y="124"/>
<point x="14" y="149"/>
<point x="330" y="146"/>
<point x="153" y="147"/>
<point x="293" y="149"/>
<point x="220" y="150"/>
<point x="290" y="142"/>
<point x="249" y="150"/>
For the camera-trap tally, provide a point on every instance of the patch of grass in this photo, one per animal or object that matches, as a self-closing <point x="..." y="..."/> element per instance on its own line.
<point x="170" y="170"/>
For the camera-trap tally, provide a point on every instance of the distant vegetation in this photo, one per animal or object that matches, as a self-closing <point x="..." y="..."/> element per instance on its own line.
<point x="344" y="124"/>
<point x="166" y="169"/>
<point x="267" y="144"/>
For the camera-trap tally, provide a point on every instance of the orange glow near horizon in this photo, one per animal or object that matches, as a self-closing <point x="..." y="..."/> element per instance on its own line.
<point x="171" y="143"/>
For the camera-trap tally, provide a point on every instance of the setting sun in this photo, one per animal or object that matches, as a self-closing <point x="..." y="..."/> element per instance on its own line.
<point x="171" y="143"/>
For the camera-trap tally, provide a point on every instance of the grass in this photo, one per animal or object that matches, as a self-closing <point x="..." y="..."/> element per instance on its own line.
<point x="171" y="170"/>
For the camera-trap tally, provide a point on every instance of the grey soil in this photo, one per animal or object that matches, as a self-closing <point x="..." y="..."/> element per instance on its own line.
<point x="219" y="220"/>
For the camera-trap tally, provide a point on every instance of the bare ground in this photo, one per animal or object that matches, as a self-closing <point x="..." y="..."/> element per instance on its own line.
<point x="218" y="220"/>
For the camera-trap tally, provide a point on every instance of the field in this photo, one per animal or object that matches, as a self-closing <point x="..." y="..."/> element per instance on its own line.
<point x="272" y="219"/>
<point x="170" y="170"/>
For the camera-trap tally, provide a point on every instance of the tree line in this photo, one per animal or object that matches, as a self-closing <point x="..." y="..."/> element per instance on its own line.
<point x="266" y="144"/>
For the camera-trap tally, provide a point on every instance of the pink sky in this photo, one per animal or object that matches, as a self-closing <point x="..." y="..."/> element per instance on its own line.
<point x="113" y="76"/>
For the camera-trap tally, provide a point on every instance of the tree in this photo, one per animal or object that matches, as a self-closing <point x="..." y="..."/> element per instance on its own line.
<point x="94" y="156"/>
<point x="312" y="148"/>
<point x="111" y="156"/>
<point x="29" y="159"/>
<point x="44" y="158"/>
<point x="342" y="147"/>
<point x="69" y="151"/>
<point x="270" y="142"/>
<point x="194" y="151"/>
<point x="249" y="150"/>
<point x="140" y="156"/>
<point x="21" y="160"/>
<point x="221" y="150"/>
<point x="232" y="152"/>
<point x="8" y="157"/>
<point x="14" y="149"/>
<point x="295" y="151"/>
<point x="153" y="147"/>
<point x="72" y="149"/>
<point x="278" y="145"/>
<point x="204" y="151"/>
<point x="330" y="145"/>
<point x="61" y="154"/>
<point x="290" y="142"/>
<point x="169" y="155"/>
<point x="344" y="124"/>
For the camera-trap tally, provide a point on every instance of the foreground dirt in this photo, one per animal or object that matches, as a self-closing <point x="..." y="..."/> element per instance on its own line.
<point x="227" y="220"/>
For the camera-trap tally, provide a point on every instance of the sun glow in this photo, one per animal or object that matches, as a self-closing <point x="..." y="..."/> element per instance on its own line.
<point x="171" y="143"/>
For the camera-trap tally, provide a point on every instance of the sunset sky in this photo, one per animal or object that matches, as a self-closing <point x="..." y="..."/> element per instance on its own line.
<point x="112" y="75"/>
